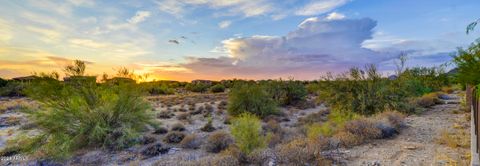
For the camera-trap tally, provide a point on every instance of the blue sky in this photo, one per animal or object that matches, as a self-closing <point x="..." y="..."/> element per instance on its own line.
<point x="220" y="39"/>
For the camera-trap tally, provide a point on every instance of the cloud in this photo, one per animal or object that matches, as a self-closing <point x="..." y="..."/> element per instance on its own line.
<point x="317" y="46"/>
<point x="246" y="8"/>
<point x="47" y="35"/>
<point x="87" y="43"/>
<point x="5" y="31"/>
<point x="224" y="24"/>
<point x="139" y="17"/>
<point x="320" y="7"/>
<point x="335" y="16"/>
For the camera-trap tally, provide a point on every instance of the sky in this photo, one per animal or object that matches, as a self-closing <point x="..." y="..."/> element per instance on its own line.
<point x="223" y="39"/>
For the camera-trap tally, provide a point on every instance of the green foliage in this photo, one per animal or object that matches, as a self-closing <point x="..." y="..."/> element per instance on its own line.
<point x="423" y="80"/>
<point x="75" y="69"/>
<point x="250" y="98"/>
<point x="158" y="88"/>
<point x="197" y="87"/>
<point x="285" y="92"/>
<point x="366" y="92"/>
<point x="360" y="91"/>
<point x="217" y="88"/>
<point x="468" y="64"/>
<point x="3" y="82"/>
<point x="472" y="26"/>
<point x="336" y="120"/>
<point x="247" y="132"/>
<point x="313" y="88"/>
<point x="12" y="89"/>
<point x="90" y="115"/>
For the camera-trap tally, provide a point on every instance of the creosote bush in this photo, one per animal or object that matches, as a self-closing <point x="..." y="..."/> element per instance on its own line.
<point x="89" y="115"/>
<point x="217" y="88"/>
<point x="218" y="141"/>
<point x="247" y="132"/>
<point x="250" y="98"/>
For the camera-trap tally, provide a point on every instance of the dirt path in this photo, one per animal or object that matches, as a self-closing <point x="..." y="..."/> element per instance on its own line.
<point x="417" y="144"/>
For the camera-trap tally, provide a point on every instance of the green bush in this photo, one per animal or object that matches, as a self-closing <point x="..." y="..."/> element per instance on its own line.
<point x="3" y="82"/>
<point x="13" y="89"/>
<point x="197" y="87"/>
<point x="160" y="90"/>
<point x="468" y="64"/>
<point x="285" y="92"/>
<point x="217" y="88"/>
<point x="361" y="91"/>
<point x="247" y="132"/>
<point x="72" y="118"/>
<point x="250" y="98"/>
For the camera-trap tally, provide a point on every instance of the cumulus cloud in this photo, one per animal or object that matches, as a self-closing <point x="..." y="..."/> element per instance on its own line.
<point x="335" y="16"/>
<point x="320" y="7"/>
<point x="317" y="46"/>
<point x="224" y="24"/>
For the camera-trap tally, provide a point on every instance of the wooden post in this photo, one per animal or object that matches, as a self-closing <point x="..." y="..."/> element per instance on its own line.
<point x="468" y="96"/>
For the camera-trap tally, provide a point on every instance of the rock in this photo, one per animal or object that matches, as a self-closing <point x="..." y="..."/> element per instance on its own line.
<point x="387" y="131"/>
<point x="446" y="97"/>
<point x="155" y="150"/>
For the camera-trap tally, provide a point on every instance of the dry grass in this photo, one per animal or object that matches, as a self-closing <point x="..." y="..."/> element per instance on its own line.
<point x="174" y="137"/>
<point x="190" y="142"/>
<point x="218" y="141"/>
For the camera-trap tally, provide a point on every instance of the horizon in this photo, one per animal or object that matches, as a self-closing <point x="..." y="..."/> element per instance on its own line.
<point x="214" y="40"/>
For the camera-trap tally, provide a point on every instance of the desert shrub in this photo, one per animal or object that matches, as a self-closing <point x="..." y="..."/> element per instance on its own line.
<point x="85" y="116"/>
<point x="394" y="118"/>
<point x="160" y="130"/>
<point x="190" y="142"/>
<point x="250" y="98"/>
<point x="197" y="87"/>
<point x="285" y="92"/>
<point x="177" y="127"/>
<point x="336" y="121"/>
<point x="364" y="128"/>
<point x="301" y="152"/>
<point x="247" y="131"/>
<point x="313" y="88"/>
<point x="13" y="89"/>
<point x="159" y="89"/>
<point x="314" y="117"/>
<point x="174" y="137"/>
<point x="147" y="140"/>
<point x="360" y="91"/>
<point x="348" y="139"/>
<point x="3" y="82"/>
<point x="427" y="100"/>
<point x="165" y="115"/>
<point x="208" y="127"/>
<point x="183" y="116"/>
<point x="448" y="90"/>
<point x="155" y="150"/>
<point x="217" y="88"/>
<point x="366" y="92"/>
<point x="273" y="126"/>
<point x="218" y="141"/>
